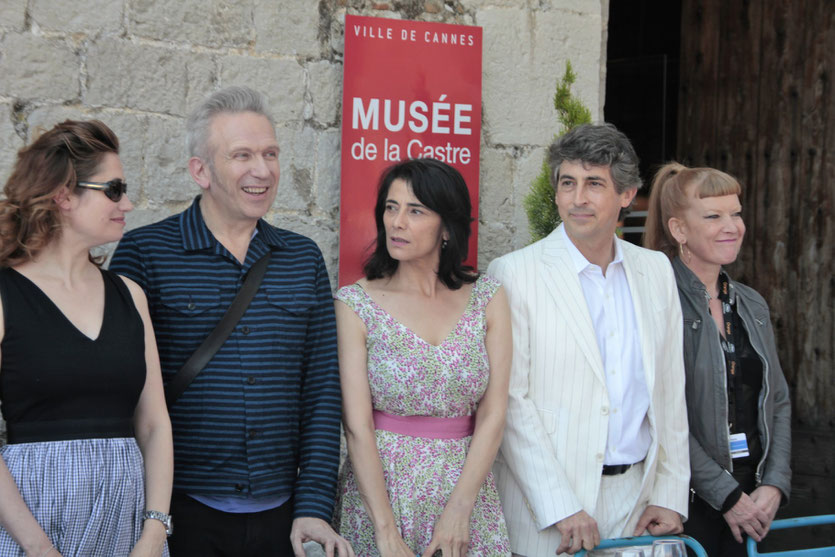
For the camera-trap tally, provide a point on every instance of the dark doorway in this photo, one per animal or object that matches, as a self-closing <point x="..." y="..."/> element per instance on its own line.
<point x="642" y="80"/>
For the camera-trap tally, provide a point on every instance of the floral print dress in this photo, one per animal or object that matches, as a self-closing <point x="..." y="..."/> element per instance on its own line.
<point x="410" y="377"/>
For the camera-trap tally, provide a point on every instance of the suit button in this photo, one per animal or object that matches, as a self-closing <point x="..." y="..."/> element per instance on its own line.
<point x="191" y="305"/>
<point x="239" y="487"/>
<point x="253" y="433"/>
<point x="250" y="380"/>
<point x="245" y="330"/>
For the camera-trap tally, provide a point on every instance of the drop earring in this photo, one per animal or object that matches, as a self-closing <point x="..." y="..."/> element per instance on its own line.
<point x="686" y="257"/>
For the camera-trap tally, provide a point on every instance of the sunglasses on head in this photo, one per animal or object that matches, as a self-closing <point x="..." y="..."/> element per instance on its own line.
<point x="114" y="189"/>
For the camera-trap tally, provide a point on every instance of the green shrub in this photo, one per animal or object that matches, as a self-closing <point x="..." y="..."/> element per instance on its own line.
<point x="542" y="213"/>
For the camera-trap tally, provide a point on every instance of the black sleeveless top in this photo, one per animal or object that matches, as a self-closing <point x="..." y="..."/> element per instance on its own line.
<point x="55" y="382"/>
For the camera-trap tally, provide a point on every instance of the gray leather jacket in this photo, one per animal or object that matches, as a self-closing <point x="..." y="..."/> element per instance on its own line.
<point x="707" y="398"/>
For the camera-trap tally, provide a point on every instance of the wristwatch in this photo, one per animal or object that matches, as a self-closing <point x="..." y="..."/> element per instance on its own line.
<point x="162" y="517"/>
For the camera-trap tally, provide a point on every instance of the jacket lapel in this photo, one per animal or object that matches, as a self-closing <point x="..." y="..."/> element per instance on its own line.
<point x="643" y="304"/>
<point x="563" y="285"/>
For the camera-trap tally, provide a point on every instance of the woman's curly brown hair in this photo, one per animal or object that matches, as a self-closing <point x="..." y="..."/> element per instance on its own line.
<point x="60" y="158"/>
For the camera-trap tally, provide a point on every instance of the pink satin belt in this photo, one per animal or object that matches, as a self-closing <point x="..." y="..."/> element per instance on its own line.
<point x="425" y="426"/>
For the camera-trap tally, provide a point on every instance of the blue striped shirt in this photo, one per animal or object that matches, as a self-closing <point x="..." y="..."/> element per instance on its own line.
<point x="262" y="418"/>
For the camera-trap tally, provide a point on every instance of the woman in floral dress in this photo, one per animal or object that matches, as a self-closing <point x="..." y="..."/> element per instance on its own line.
<point x="424" y="354"/>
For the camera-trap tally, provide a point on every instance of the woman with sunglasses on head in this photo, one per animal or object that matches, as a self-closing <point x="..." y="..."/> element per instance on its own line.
<point x="424" y="360"/>
<point x="88" y="465"/>
<point x="737" y="398"/>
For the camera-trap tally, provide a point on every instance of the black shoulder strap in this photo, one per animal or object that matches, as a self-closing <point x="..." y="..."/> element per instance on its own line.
<point x="212" y="343"/>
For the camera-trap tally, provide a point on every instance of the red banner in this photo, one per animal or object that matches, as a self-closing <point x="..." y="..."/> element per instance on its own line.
<point x="411" y="89"/>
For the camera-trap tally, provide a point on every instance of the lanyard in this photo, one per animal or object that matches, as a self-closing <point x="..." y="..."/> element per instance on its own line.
<point x="734" y="371"/>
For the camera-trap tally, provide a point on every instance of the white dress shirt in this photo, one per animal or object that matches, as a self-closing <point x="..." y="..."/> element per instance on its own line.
<point x="610" y="305"/>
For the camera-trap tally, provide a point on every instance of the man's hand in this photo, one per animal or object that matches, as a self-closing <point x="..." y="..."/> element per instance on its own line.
<point x="308" y="528"/>
<point x="578" y="531"/>
<point x="767" y="498"/>
<point x="748" y="517"/>
<point x="659" y="521"/>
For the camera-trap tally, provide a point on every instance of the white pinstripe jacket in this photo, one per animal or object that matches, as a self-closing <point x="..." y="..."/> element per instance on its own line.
<point x="550" y="462"/>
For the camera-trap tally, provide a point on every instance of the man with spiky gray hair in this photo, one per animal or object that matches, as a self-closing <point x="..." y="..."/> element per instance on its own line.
<point x="256" y="431"/>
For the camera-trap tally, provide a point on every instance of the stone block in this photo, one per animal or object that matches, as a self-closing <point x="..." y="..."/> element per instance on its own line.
<point x="77" y="16"/>
<point x="495" y="186"/>
<point x="336" y="32"/>
<point x="297" y="162"/>
<point x="580" y="37"/>
<point x="494" y="239"/>
<point x="481" y="4"/>
<point x="38" y="68"/>
<point x="287" y="27"/>
<point x="524" y="55"/>
<point x="12" y="14"/>
<point x="10" y="143"/>
<point x="282" y="81"/>
<point x="159" y="79"/>
<point x="328" y="169"/>
<point x="528" y="167"/>
<point x="215" y="23"/>
<point x="201" y="79"/>
<point x="165" y="166"/>
<point x="577" y="6"/>
<point x="325" y="90"/>
<point x="45" y="117"/>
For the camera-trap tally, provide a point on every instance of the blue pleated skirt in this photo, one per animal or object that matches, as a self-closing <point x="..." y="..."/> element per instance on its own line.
<point x="87" y="494"/>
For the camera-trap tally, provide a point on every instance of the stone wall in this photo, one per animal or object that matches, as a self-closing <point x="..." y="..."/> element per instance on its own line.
<point x="140" y="65"/>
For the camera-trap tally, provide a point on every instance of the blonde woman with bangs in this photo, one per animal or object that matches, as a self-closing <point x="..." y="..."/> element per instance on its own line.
<point x="737" y="398"/>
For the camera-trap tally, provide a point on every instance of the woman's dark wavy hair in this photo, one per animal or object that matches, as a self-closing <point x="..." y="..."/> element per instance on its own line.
<point x="442" y="189"/>
<point x="61" y="157"/>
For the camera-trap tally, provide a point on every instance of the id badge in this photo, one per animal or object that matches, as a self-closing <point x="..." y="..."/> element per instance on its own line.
<point x="739" y="445"/>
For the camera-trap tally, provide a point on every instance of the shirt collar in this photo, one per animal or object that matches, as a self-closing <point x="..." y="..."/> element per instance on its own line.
<point x="197" y="236"/>
<point x="579" y="260"/>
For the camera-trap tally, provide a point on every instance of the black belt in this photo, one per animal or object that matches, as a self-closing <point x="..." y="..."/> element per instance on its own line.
<point x="69" y="429"/>
<point x="615" y="469"/>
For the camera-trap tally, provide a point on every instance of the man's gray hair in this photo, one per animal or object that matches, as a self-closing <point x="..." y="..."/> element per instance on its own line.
<point x="230" y="99"/>
<point x="598" y="145"/>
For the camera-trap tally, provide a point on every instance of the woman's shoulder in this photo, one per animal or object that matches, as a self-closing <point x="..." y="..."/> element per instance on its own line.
<point x="484" y="288"/>
<point x="349" y="292"/>
<point x="749" y="295"/>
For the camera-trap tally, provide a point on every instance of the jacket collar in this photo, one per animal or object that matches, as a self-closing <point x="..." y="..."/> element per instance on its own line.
<point x="197" y="236"/>
<point x="690" y="284"/>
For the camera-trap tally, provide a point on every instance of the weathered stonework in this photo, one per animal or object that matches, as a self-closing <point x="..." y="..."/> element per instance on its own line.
<point x="281" y="80"/>
<point x="140" y="66"/>
<point x="12" y="14"/>
<point x="33" y="66"/>
<point x="290" y="28"/>
<point x="214" y="23"/>
<point x="74" y="15"/>
<point x="326" y="91"/>
<point x="154" y="80"/>
<point x="10" y="142"/>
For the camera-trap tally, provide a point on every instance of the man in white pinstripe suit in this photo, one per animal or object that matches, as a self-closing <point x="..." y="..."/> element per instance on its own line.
<point x="596" y="442"/>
